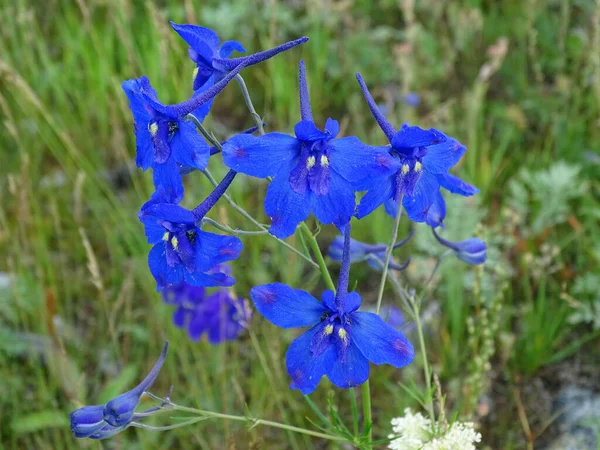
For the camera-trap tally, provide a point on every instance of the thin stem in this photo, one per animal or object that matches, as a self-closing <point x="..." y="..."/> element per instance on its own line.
<point x="388" y="255"/>
<point x="228" y="229"/>
<point x="320" y="259"/>
<point x="257" y="422"/>
<point x="366" y="398"/>
<point x="168" y="427"/>
<point x="203" y="131"/>
<point x="426" y="371"/>
<point x="203" y="208"/>
<point x="354" y="411"/>
<point x="257" y="119"/>
<point x="247" y="215"/>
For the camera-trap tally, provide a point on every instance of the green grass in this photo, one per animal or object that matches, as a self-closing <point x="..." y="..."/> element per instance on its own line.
<point x="71" y="335"/>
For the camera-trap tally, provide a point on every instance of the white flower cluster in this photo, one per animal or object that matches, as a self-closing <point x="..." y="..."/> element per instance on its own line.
<point x="416" y="434"/>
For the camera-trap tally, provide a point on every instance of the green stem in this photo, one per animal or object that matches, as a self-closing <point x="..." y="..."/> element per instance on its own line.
<point x="257" y="119"/>
<point x="426" y="371"/>
<point x="257" y="422"/>
<point x="368" y="418"/>
<point x="388" y="256"/>
<point x="312" y="241"/>
<point x="203" y="131"/>
<point x="354" y="412"/>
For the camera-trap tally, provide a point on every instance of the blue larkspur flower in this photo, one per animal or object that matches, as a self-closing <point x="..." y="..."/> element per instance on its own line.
<point x="374" y="254"/>
<point x="471" y="251"/>
<point x="422" y="159"/>
<point x="212" y="58"/>
<point x="312" y="171"/>
<point x="221" y="316"/>
<point x="340" y="341"/>
<point x="182" y="250"/>
<point x="102" y="421"/>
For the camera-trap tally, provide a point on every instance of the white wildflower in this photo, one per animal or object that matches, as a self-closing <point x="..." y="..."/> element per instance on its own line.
<point x="416" y="434"/>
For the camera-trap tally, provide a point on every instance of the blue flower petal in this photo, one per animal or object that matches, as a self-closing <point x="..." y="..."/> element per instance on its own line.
<point x="352" y="302"/>
<point x="144" y="148"/>
<point x="285" y="207"/>
<point x="337" y="207"/>
<point x="328" y="298"/>
<point x="350" y="368"/>
<point x="425" y="193"/>
<point x="166" y="176"/>
<point x="213" y="249"/>
<point x="456" y="185"/>
<point x="379" y="342"/>
<point x="203" y="40"/>
<point x="378" y="193"/>
<point x="437" y="212"/>
<point x="306" y="130"/>
<point x="87" y="421"/>
<point x="201" y="279"/>
<point x="169" y="212"/>
<point x="262" y="156"/>
<point x="355" y="160"/>
<point x="286" y="307"/>
<point x="305" y="369"/>
<point x="440" y="158"/>
<point x="332" y="127"/>
<point x="413" y="137"/>
<point x="162" y="272"/>
<point x="188" y="147"/>
<point x="229" y="47"/>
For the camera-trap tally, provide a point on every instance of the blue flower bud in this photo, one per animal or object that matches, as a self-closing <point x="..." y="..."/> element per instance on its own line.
<point x="107" y="431"/>
<point x="471" y="251"/>
<point x="87" y="421"/>
<point x="120" y="410"/>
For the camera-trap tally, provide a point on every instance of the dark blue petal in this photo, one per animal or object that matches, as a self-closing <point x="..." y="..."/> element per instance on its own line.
<point x="203" y="40"/>
<point x="286" y="307"/>
<point x="229" y="47"/>
<point x="437" y="212"/>
<point x="144" y="148"/>
<point x="197" y="326"/>
<point x="350" y="367"/>
<point x="303" y="367"/>
<point x="379" y="342"/>
<point x="260" y="156"/>
<point x="188" y="147"/>
<point x="377" y="194"/>
<point x="456" y="185"/>
<point x="328" y="298"/>
<point x="285" y="207"/>
<point x="213" y="249"/>
<point x="87" y="421"/>
<point x="352" y="302"/>
<point x="413" y="137"/>
<point x="355" y="161"/>
<point x="440" y="158"/>
<point x="306" y="130"/>
<point x="332" y="127"/>
<point x="337" y="207"/>
<point x="198" y="278"/>
<point x="166" y="177"/>
<point x="180" y="316"/>
<point x="424" y="195"/>
<point x="169" y="212"/>
<point x="162" y="272"/>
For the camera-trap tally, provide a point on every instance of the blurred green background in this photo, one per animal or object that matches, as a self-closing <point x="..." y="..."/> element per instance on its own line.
<point x="518" y="82"/>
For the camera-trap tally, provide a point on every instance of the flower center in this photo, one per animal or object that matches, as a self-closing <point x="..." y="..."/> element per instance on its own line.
<point x="312" y="169"/>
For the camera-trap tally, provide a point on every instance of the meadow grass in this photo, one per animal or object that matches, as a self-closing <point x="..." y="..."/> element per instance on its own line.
<point x="517" y="82"/>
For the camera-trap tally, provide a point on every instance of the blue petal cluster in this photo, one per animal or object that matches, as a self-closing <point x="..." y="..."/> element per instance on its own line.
<point x="312" y="171"/>
<point x="340" y="341"/>
<point x="421" y="160"/>
<point x="359" y="251"/>
<point x="471" y="251"/>
<point x="102" y="421"/>
<point x="219" y="315"/>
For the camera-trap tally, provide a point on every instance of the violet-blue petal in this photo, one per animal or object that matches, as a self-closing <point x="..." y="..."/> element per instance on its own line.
<point x="286" y="307"/>
<point x="213" y="249"/>
<point x="202" y="279"/>
<point x="350" y="368"/>
<point x="229" y="47"/>
<point x="441" y="157"/>
<point x="456" y="185"/>
<point x="379" y="342"/>
<point x="203" y="40"/>
<point x="306" y="130"/>
<point x="261" y="156"/>
<point x="332" y="126"/>
<point x="355" y="160"/>
<point x="437" y="211"/>
<point x="169" y="212"/>
<point x="424" y="195"/>
<point x="285" y="207"/>
<point x="328" y="298"/>
<point x="162" y="272"/>
<point x="412" y="137"/>
<point x="337" y="207"/>
<point x="166" y="176"/>
<point x="188" y="147"/>
<point x="303" y="367"/>
<point x="87" y="420"/>
<point x="375" y="196"/>
<point x="351" y="302"/>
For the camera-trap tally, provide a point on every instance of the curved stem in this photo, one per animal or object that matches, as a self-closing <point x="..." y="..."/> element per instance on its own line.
<point x="318" y="255"/>
<point x="388" y="255"/>
<point x="257" y="119"/>
<point x="247" y="215"/>
<point x="204" y="132"/>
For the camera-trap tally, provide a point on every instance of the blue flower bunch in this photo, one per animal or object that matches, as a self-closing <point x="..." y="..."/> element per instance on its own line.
<point x="312" y="171"/>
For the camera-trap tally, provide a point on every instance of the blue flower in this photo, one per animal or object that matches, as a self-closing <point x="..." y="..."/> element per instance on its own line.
<point x="212" y="58"/>
<point x="359" y="251"/>
<point x="340" y="341"/>
<point x="102" y="421"/>
<point x="221" y="316"/>
<point x="422" y="159"/>
<point x="313" y="171"/>
<point x="471" y="251"/>
<point x="182" y="251"/>
<point x="165" y="141"/>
